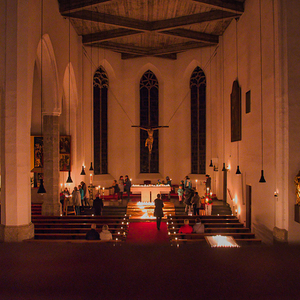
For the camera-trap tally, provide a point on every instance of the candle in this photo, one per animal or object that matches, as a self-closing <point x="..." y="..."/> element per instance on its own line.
<point x="91" y="178"/>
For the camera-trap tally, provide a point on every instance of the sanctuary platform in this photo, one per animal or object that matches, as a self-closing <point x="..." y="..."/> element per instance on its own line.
<point x="144" y="210"/>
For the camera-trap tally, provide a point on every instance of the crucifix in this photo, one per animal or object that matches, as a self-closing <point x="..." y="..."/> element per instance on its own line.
<point x="150" y="139"/>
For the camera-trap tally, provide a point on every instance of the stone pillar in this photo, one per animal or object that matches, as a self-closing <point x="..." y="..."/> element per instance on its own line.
<point x="15" y="131"/>
<point x="51" y="205"/>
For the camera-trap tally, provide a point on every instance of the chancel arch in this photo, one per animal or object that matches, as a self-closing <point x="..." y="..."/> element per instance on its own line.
<point x="198" y="121"/>
<point x="100" y="98"/>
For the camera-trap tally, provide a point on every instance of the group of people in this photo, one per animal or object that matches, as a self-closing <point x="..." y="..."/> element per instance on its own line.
<point x="185" y="185"/>
<point x="197" y="228"/>
<point x="93" y="234"/>
<point x="121" y="186"/>
<point x="188" y="195"/>
<point x="80" y="198"/>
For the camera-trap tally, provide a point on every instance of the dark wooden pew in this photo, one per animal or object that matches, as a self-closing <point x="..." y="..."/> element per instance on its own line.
<point x="72" y="236"/>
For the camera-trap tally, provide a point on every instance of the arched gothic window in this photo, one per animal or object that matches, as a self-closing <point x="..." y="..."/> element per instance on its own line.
<point x="198" y="121"/>
<point x="100" y="87"/>
<point x="149" y="161"/>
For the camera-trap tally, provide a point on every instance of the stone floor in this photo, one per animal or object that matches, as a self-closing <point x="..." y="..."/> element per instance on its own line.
<point x="132" y="271"/>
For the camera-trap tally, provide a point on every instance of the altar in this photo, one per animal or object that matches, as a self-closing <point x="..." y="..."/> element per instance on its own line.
<point x="150" y="191"/>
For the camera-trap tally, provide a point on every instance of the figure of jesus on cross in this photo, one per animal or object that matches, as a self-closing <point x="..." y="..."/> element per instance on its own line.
<point x="150" y="131"/>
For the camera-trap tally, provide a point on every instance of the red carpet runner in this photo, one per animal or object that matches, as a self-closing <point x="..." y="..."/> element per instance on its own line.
<point x="147" y="233"/>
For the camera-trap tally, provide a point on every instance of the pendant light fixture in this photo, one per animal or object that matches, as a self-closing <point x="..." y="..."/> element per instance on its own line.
<point x="42" y="189"/>
<point x="82" y="90"/>
<point x="223" y="53"/>
<point x="69" y="179"/>
<point x="224" y="168"/>
<point x="238" y="172"/>
<point x="92" y="100"/>
<point x="211" y="164"/>
<point x="262" y="178"/>
<point x="82" y="170"/>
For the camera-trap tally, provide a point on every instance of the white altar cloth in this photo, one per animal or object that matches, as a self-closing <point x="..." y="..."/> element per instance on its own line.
<point x="150" y="191"/>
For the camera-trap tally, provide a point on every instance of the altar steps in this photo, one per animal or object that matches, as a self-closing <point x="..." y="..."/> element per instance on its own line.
<point x="144" y="211"/>
<point x="219" y="207"/>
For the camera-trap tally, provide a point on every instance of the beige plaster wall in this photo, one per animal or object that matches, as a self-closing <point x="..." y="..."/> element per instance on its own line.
<point x="292" y="10"/>
<point x="173" y="77"/>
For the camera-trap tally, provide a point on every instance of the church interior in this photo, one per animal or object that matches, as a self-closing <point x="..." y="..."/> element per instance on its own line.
<point x="156" y="90"/>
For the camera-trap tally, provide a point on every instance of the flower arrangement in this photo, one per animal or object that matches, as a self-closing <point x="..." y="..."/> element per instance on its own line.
<point x="208" y="198"/>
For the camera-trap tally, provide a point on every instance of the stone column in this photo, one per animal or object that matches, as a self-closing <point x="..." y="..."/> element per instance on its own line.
<point x="51" y="205"/>
<point x="15" y="131"/>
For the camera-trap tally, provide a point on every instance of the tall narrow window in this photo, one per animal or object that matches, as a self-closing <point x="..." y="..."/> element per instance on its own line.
<point x="149" y="159"/>
<point x="198" y="121"/>
<point x="236" y="112"/>
<point x="100" y="84"/>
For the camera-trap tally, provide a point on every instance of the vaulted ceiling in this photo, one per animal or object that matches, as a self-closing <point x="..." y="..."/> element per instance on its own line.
<point x="161" y="28"/>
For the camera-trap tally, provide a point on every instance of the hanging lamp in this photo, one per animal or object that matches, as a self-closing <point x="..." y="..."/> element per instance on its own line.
<point x="69" y="180"/>
<point x="42" y="189"/>
<point x="262" y="178"/>
<point x="82" y="171"/>
<point x="238" y="172"/>
<point x="223" y="87"/>
<point x="211" y="164"/>
<point x="92" y="119"/>
<point x="224" y="168"/>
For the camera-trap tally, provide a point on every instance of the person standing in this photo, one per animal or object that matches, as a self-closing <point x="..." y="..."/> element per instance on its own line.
<point x="188" y="195"/>
<point x="158" y="210"/>
<point x="86" y="200"/>
<point x="196" y="204"/>
<point x="127" y="186"/>
<point x="116" y="189"/>
<point x="98" y="205"/>
<point x="180" y="193"/>
<point x="76" y="199"/>
<point x="187" y="183"/>
<point x="121" y="187"/>
<point x="208" y="183"/>
<point x="169" y="182"/>
<point x="81" y="191"/>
